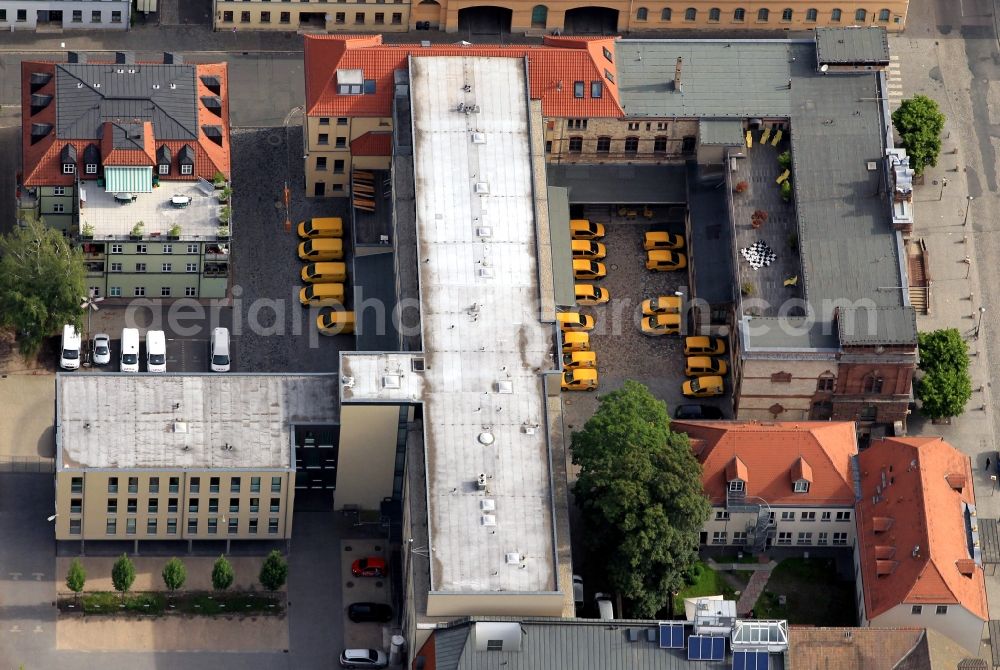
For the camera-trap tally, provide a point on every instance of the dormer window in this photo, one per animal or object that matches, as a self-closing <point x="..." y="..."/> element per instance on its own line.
<point x="802" y="476"/>
<point x="69" y="168"/>
<point x="185" y="158"/>
<point x="91" y="168"/>
<point x="187" y="169"/>
<point x="352" y="82"/>
<point x="801" y="486"/>
<point x="737" y="486"/>
<point x="67" y="157"/>
<point x="163" y="158"/>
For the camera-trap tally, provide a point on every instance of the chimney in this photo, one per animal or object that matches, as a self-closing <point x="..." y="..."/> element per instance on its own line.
<point x="677" y="74"/>
<point x="77" y="57"/>
<point x="170" y="58"/>
<point x="125" y="57"/>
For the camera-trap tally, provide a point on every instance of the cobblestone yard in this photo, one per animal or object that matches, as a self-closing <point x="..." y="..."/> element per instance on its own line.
<point x="275" y="333"/>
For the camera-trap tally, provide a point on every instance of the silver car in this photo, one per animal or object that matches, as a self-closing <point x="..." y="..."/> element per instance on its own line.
<point x="363" y="658"/>
<point x="101" y="349"/>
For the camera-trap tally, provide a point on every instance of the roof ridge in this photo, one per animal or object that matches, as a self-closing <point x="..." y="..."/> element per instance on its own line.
<point x="831" y="428"/>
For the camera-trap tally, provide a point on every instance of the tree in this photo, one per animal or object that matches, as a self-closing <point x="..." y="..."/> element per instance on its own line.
<point x="174" y="574"/>
<point x="123" y="575"/>
<point x="76" y="577"/>
<point x="945" y="386"/>
<point x="274" y="571"/>
<point x="943" y="350"/>
<point x="641" y="497"/>
<point x="41" y="283"/>
<point x="919" y="123"/>
<point x="223" y="575"/>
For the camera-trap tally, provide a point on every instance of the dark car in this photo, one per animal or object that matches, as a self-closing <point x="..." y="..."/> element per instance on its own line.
<point x="698" y="412"/>
<point x="373" y="566"/>
<point x="362" y="612"/>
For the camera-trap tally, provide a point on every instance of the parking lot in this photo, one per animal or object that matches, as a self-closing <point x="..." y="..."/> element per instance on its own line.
<point x="364" y="635"/>
<point x="623" y="351"/>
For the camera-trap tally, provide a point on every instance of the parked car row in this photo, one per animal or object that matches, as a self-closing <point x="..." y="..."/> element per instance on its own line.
<point x="156" y="350"/>
<point x="325" y="274"/>
<point x="579" y="362"/>
<point x="367" y="612"/>
<point x="703" y="366"/>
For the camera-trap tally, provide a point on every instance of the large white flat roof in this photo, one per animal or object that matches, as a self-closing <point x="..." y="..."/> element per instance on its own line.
<point x="484" y="347"/>
<point x="184" y="421"/>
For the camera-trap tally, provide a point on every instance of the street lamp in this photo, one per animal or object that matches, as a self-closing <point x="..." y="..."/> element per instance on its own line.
<point x="982" y="310"/>
<point x="968" y="202"/>
<point x="52" y="518"/>
<point x="90" y="303"/>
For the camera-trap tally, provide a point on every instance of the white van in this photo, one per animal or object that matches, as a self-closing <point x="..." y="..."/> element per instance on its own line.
<point x="130" y="350"/>
<point x="219" y="350"/>
<point x="69" y="359"/>
<point x="156" y="351"/>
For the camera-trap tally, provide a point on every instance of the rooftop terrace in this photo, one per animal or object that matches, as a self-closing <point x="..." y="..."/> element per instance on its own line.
<point x="114" y="219"/>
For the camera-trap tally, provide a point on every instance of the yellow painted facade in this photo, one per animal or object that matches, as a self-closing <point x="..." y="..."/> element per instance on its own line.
<point x="312" y="16"/>
<point x="366" y="456"/>
<point x="174" y="505"/>
<point x="328" y="152"/>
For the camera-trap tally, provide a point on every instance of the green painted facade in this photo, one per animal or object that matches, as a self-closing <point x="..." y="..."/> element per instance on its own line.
<point x="56" y="206"/>
<point x="157" y="268"/>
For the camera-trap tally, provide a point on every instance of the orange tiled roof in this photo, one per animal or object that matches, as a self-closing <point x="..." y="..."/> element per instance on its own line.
<point x="42" y="167"/>
<point x="112" y="156"/>
<point x="553" y="68"/>
<point x="928" y="527"/>
<point x="372" y="144"/>
<point x="771" y="452"/>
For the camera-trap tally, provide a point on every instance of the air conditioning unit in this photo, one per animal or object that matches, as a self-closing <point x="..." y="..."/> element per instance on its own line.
<point x="481" y="481"/>
<point x="489" y="520"/>
<point x="488" y="504"/>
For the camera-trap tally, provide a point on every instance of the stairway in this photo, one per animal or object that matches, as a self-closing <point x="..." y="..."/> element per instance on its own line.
<point x="919" y="281"/>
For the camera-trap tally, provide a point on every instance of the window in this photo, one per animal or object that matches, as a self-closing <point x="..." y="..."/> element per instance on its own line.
<point x="835" y="16"/>
<point x="736" y="486"/>
<point x="341" y="120"/>
<point x="196" y="485"/>
<point x="603" y="145"/>
<point x="579" y="88"/>
<point x="872" y="384"/>
<point x="607" y="55"/>
<point x="166" y="267"/>
<point x="116" y="267"/>
<point x="338" y="166"/>
<point x="192" y="525"/>
<point x="95" y="16"/>
<point x="784" y="538"/>
<point x="324" y="120"/>
<point x="722" y="516"/>
<point x="788" y="516"/>
<point x="359" y="18"/>
<point x="265" y="17"/>
<point x="75" y="505"/>
<point x="133" y="506"/>
<point x="379" y="18"/>
<point x="115" y="291"/>
<point x="116" y="17"/>
<point x="58" y="208"/>
<point x="802" y="486"/>
<point x="811" y="15"/>
<point x="839" y="539"/>
<point x="254" y="505"/>
<point x="193" y="506"/>
<point x="167" y="248"/>
<point x="190" y="291"/>
<point x="341" y="18"/>
<point x="575" y="145"/>
<point x="665" y="14"/>
<point x="75" y="526"/>
<point x="822" y="538"/>
<point x="112" y="527"/>
<point x="171" y="526"/>
<point x="397" y="18"/>
<point x="631" y="145"/>
<point x="213" y="526"/>
<point x="112" y="485"/>
<point x="321" y="163"/>
<point x="284" y="17"/>
<point x="319" y="189"/>
<point x="213" y="485"/>
<point x="153" y="507"/>
<point x="213" y="505"/>
<point x="112" y="505"/>
<point x="860" y="15"/>
<point x="714" y="14"/>
<point x="255" y="485"/>
<point x="172" y="505"/>
<point x="641" y="14"/>
<point x="154" y="484"/>
<point x="234" y="485"/>
<point x="58" y="190"/>
<point x="825" y="516"/>
<point x="596" y="89"/>
<point x="917" y="609"/>
<point x="275" y="505"/>
<point x="140" y="267"/>
<point x="272" y="526"/>
<point x="234" y="526"/>
<point x="117" y="248"/>
<point x="130" y="526"/>
<point x="244" y="17"/>
<point x="174" y="484"/>
<point x="3" y="14"/>
<point x="151" y="526"/>
<point x="740" y="537"/>
<point x="76" y="485"/>
<point x="808" y="516"/>
<point x="690" y="14"/>
<point x="275" y="484"/>
<point x="610" y="77"/>
<point x="941" y="609"/>
<point x="187" y="169"/>
<point x="77" y="16"/>
<point x="843" y="516"/>
<point x="770" y="518"/>
<point x="883" y="15"/>
<point x="22" y="15"/>
<point x="192" y="248"/>
<point x="253" y="527"/>
<point x="762" y="14"/>
<point x="739" y="15"/>
<point x="660" y="145"/>
<point x="91" y="168"/>
<point x="786" y="15"/>
<point x="341" y="143"/>
<point x="576" y="124"/>
<point x="824" y="384"/>
<point x="141" y="248"/>
<point x="720" y="537"/>
<point x="633" y="125"/>
<point x="234" y="505"/>
<point x="804" y="538"/>
<point x="191" y="267"/>
<point x="324" y="138"/>
<point x="68" y="168"/>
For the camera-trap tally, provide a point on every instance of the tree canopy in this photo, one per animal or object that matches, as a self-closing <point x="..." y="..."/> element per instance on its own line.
<point x="41" y="283"/>
<point x="174" y="574"/>
<point x="223" y="574"/>
<point x="945" y="386"/>
<point x="641" y="497"/>
<point x="123" y="575"/>
<point x="919" y="123"/>
<point x="76" y="577"/>
<point x="274" y="571"/>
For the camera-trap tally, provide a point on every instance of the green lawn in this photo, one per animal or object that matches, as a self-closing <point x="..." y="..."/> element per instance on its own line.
<point x="182" y="602"/>
<point x="709" y="583"/>
<point x="814" y="594"/>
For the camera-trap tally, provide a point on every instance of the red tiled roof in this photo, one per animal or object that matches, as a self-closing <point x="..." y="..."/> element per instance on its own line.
<point x="802" y="471"/>
<point x="770" y="452"/>
<point x="112" y="156"/>
<point x="41" y="164"/>
<point x="907" y="478"/>
<point x="372" y="144"/>
<point x="553" y="68"/>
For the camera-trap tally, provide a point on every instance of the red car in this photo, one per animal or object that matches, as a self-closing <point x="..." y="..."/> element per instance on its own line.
<point x="373" y="566"/>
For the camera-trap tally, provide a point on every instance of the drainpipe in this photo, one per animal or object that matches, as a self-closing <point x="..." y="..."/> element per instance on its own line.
<point x="628" y="24"/>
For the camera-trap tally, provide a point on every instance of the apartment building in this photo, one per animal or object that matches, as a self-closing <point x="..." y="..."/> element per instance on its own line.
<point x="917" y="560"/>
<point x="181" y="457"/>
<point x="124" y="157"/>
<point x="776" y="483"/>
<point x="557" y="17"/>
<point x="59" y="15"/>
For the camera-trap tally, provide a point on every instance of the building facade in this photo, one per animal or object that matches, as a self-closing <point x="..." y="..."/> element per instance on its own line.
<point x="559" y="16"/>
<point x="140" y="189"/>
<point x="65" y="15"/>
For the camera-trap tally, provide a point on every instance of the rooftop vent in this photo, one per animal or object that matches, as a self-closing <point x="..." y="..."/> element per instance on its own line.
<point x="481" y="188"/>
<point x="487" y="504"/>
<point x="186" y="447"/>
<point x="39" y="79"/>
<point x="481" y="481"/>
<point x="486" y="438"/>
<point x="417" y="364"/>
<point x="479" y="138"/>
<point x="504" y="386"/>
<point x="39" y="131"/>
<point x="391" y="381"/>
<point x="170" y="58"/>
<point x="512" y="558"/>
<point x="484" y="231"/>
<point x="214" y="133"/>
<point x="76" y="57"/>
<point x="425" y="44"/>
<point x="180" y="427"/>
<point x="212" y="83"/>
<point x="125" y="57"/>
<point x="485" y="273"/>
<point x="489" y="520"/>
<point x="916" y="551"/>
<point x="677" y="74"/>
<point x="39" y="102"/>
<point x="213" y="103"/>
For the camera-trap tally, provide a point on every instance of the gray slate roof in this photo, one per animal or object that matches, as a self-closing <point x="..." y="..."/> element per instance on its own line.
<point x="852" y="46"/>
<point x="563" y="285"/>
<point x="727" y="132"/>
<point x="601" y="184"/>
<point x="87" y="95"/>
<point x="885" y="325"/>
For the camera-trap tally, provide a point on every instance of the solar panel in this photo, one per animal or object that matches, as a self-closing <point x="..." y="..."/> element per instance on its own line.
<point x="706" y="648"/>
<point x="671" y="636"/>
<point x="751" y="660"/>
